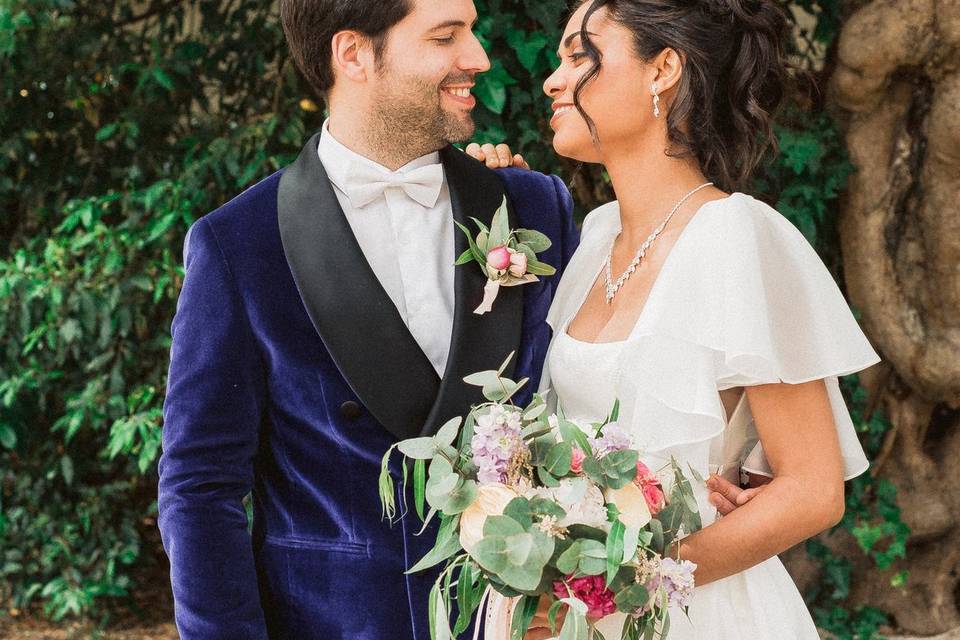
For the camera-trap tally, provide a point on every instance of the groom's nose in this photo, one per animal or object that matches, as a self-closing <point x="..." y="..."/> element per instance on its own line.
<point x="474" y="59"/>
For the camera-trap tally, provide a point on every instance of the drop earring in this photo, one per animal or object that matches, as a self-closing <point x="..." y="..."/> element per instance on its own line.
<point x="656" y="100"/>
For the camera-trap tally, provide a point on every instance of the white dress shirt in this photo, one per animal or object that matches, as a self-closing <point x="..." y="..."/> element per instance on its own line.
<point x="409" y="246"/>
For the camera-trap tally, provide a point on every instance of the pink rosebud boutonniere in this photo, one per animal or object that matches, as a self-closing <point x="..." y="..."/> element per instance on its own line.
<point x="507" y="256"/>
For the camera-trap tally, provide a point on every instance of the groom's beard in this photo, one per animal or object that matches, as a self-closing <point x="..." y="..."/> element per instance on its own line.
<point x="409" y="121"/>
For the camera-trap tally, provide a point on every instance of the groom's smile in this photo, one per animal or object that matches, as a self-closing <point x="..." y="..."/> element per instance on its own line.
<point x="460" y="95"/>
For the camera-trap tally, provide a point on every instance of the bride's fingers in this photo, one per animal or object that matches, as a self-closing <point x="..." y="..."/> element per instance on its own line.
<point x="505" y="155"/>
<point x="490" y="151"/>
<point x="473" y="150"/>
<point x="724" y="487"/>
<point x="520" y="163"/>
<point x="724" y="506"/>
<point x="748" y="495"/>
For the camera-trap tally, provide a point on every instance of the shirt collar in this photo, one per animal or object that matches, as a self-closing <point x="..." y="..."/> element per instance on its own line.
<point x="337" y="159"/>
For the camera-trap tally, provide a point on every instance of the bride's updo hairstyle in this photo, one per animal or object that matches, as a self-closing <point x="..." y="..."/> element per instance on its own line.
<point x="733" y="77"/>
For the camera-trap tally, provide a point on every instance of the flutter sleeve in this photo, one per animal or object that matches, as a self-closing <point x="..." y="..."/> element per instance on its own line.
<point x="742" y="300"/>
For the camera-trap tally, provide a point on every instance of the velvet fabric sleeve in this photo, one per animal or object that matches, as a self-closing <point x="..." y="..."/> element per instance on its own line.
<point x="569" y="234"/>
<point x="212" y="416"/>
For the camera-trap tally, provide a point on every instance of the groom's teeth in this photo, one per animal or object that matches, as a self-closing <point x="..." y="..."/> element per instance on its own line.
<point x="460" y="93"/>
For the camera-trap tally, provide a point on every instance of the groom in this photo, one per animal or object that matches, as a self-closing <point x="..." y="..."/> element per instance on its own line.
<point x="322" y="319"/>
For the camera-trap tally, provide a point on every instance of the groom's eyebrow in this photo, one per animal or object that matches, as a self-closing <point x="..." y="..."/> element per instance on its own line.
<point x="452" y="23"/>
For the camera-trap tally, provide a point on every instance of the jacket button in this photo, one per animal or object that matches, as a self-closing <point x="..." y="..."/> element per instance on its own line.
<point x="350" y="410"/>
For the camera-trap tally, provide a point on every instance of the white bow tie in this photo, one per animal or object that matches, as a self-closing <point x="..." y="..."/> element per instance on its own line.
<point x="365" y="184"/>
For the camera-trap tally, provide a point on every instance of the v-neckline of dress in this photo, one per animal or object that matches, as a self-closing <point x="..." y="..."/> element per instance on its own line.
<point x="582" y="298"/>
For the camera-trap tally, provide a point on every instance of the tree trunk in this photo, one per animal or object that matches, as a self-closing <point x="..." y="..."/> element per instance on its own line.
<point x="897" y="88"/>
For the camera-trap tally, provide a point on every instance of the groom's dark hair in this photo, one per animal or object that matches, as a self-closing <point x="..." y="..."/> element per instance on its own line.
<point x="310" y="25"/>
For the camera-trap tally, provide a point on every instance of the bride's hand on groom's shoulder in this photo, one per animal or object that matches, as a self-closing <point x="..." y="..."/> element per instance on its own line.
<point x="496" y="157"/>
<point x="726" y="496"/>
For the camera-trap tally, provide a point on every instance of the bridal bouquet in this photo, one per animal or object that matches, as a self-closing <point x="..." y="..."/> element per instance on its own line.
<point x="532" y="504"/>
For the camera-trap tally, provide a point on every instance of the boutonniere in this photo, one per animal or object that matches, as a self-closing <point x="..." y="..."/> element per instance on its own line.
<point x="507" y="256"/>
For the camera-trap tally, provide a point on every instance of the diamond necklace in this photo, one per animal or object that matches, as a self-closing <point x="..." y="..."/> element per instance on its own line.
<point x="613" y="287"/>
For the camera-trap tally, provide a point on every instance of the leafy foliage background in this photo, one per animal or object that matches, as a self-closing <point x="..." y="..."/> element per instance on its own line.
<point x="124" y="122"/>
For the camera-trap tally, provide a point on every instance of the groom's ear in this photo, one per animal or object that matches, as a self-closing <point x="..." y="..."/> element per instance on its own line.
<point x="669" y="68"/>
<point x="353" y="57"/>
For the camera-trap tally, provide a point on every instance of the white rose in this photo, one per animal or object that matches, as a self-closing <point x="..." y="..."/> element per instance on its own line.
<point x="582" y="501"/>
<point x="633" y="508"/>
<point x="491" y="500"/>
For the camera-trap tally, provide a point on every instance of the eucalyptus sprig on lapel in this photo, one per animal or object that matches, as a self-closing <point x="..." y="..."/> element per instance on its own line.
<point x="508" y="257"/>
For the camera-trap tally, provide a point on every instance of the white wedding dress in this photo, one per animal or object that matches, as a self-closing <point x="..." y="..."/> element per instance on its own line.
<point x="742" y="299"/>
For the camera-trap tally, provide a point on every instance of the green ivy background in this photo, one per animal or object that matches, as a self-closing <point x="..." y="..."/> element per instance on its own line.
<point x="121" y="124"/>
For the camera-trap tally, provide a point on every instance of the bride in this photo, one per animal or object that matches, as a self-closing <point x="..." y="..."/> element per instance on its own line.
<point x="703" y="310"/>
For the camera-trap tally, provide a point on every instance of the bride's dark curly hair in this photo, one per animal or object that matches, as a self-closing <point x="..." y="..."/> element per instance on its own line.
<point x="733" y="80"/>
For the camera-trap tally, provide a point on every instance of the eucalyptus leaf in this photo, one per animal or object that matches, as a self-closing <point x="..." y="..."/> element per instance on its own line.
<point x="491" y="553"/>
<point x="447" y="433"/>
<point x="418" y="448"/>
<point x="483" y="378"/>
<point x="632" y="598"/>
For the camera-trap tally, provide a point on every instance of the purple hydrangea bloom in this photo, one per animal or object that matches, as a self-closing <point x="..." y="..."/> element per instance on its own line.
<point x="678" y="581"/>
<point x="613" y="438"/>
<point x="496" y="440"/>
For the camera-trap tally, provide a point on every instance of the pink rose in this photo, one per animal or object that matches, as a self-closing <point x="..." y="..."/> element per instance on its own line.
<point x="591" y="590"/>
<point x="518" y="264"/>
<point x="498" y="258"/>
<point x="644" y="475"/>
<point x="653" y="494"/>
<point x="576" y="463"/>
<point x="650" y="486"/>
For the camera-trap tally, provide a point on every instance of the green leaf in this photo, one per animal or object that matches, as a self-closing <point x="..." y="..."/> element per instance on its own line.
<point x="106" y="132"/>
<point x="519" y="509"/>
<point x="437" y="615"/>
<point x="500" y="226"/>
<point x="575" y="623"/>
<point x="559" y="459"/>
<point x="483" y="379"/>
<point x="418" y="448"/>
<point x="419" y="486"/>
<point x="8" y="437"/>
<point x="163" y="79"/>
<point x="465" y="258"/>
<point x="386" y="487"/>
<point x="615" y="549"/>
<point x="632" y="598"/>
<point x="481" y="257"/>
<point x="540" y="268"/>
<point x="522" y="616"/>
<point x="534" y="240"/>
<point x="66" y="468"/>
<point x="447" y="545"/>
<point x="447" y="433"/>
<point x="501" y="526"/>
<point x="491" y="553"/>
<point x="615" y="412"/>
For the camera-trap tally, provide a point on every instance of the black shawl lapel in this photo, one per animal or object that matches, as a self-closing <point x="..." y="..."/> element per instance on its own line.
<point x="482" y="342"/>
<point x="358" y="323"/>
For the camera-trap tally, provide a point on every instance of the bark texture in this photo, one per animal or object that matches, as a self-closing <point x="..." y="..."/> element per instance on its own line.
<point x="897" y="90"/>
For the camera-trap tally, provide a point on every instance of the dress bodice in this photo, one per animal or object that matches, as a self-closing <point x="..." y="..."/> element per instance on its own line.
<point x="584" y="376"/>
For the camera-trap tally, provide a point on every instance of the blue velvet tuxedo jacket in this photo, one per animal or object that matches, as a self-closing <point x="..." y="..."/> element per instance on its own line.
<point x="291" y="374"/>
